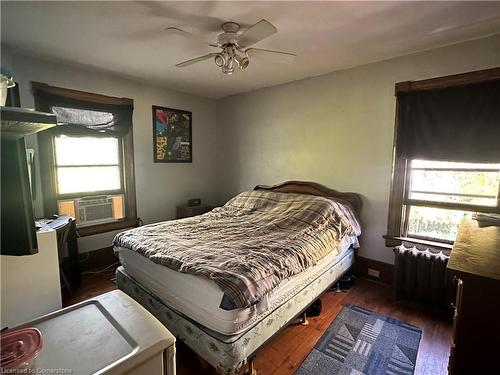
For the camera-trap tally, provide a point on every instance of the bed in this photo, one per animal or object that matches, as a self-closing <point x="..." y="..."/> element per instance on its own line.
<point x="225" y="327"/>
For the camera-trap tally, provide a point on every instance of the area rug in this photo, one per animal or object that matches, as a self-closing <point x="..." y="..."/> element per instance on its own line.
<point x="360" y="341"/>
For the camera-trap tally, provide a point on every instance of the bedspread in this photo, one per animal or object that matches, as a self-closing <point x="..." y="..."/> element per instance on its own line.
<point x="249" y="245"/>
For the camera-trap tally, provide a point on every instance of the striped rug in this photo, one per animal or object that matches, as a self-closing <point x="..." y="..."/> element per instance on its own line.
<point x="360" y="341"/>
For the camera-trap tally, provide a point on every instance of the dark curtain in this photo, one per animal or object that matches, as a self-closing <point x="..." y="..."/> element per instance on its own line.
<point x="460" y="123"/>
<point x="79" y="115"/>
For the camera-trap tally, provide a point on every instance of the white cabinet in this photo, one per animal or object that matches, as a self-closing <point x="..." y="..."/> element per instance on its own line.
<point x="30" y="284"/>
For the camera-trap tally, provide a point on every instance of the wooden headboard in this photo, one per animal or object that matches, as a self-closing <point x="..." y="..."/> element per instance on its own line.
<point x="313" y="188"/>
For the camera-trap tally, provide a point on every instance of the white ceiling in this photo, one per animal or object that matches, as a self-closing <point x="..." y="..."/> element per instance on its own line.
<point x="128" y="38"/>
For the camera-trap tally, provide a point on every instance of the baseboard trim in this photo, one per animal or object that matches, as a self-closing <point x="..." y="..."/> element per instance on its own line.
<point x="361" y="266"/>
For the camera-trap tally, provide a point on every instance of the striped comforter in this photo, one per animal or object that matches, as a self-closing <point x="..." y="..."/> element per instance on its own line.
<point x="249" y="245"/>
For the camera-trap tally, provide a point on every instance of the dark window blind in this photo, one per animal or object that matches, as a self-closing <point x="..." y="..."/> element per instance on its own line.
<point x="460" y="123"/>
<point x="79" y="114"/>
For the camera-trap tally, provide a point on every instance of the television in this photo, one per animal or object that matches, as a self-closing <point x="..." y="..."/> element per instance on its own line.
<point x="18" y="231"/>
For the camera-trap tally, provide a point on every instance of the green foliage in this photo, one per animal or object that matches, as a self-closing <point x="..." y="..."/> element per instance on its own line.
<point x="475" y="186"/>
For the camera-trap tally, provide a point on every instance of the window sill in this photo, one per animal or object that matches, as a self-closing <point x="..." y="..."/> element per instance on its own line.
<point x="108" y="227"/>
<point x="392" y="241"/>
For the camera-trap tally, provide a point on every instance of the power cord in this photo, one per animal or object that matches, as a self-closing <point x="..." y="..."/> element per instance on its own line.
<point x="100" y="271"/>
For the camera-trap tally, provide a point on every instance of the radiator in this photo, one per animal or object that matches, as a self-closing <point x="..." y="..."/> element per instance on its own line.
<point x="420" y="276"/>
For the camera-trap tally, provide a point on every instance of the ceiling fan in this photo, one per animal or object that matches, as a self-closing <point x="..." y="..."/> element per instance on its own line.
<point x="234" y="46"/>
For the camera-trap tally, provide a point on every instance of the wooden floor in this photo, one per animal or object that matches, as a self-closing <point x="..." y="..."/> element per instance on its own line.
<point x="283" y="354"/>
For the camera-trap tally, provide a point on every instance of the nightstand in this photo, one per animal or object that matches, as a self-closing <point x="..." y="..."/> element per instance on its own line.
<point x="188" y="211"/>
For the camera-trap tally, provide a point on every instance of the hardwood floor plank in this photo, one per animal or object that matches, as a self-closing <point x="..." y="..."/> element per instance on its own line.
<point x="284" y="353"/>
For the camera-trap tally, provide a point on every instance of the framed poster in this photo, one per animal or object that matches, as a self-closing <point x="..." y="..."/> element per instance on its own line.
<point x="172" y="135"/>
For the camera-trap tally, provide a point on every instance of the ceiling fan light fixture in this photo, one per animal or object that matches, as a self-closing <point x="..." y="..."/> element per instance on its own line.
<point x="220" y="60"/>
<point x="242" y="61"/>
<point x="234" y="45"/>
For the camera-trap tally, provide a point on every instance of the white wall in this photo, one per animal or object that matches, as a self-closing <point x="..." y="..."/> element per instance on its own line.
<point x="160" y="186"/>
<point x="336" y="129"/>
<point x="30" y="284"/>
<point x="6" y="58"/>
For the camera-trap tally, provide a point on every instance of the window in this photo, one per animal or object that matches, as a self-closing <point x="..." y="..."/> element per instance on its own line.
<point x="87" y="165"/>
<point x="440" y="193"/>
<point x="87" y="160"/>
<point x="446" y="159"/>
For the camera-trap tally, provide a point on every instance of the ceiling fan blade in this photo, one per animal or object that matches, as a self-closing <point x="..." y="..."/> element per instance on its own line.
<point x="274" y="56"/>
<point x="177" y="31"/>
<point x="256" y="33"/>
<point x="186" y="34"/>
<point x="195" y="60"/>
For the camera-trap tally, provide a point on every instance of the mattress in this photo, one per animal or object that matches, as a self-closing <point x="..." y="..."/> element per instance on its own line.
<point x="229" y="354"/>
<point x="199" y="298"/>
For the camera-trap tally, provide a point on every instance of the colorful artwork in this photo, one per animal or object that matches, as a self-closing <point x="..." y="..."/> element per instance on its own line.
<point x="172" y="138"/>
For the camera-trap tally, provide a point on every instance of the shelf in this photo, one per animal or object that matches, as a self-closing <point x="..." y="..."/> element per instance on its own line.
<point x="19" y="122"/>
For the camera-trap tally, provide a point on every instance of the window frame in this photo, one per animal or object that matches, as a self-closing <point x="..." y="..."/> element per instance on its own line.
<point x="400" y="178"/>
<point x="46" y="148"/>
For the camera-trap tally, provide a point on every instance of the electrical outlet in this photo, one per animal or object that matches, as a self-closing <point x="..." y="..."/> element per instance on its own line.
<point x="374" y="273"/>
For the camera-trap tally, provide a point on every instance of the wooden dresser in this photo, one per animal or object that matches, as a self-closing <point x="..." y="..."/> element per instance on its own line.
<point x="475" y="264"/>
